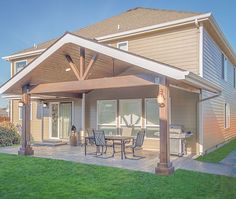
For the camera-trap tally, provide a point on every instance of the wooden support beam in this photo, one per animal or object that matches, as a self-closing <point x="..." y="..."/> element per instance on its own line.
<point x="73" y="67"/>
<point x="25" y="134"/>
<point x="90" y="65"/>
<point x="91" y="84"/>
<point x="82" y="61"/>
<point x="164" y="167"/>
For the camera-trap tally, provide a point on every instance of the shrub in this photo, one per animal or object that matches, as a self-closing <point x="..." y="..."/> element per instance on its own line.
<point x="8" y="134"/>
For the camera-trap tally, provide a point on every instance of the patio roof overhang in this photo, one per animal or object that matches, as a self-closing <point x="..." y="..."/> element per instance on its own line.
<point x="49" y="68"/>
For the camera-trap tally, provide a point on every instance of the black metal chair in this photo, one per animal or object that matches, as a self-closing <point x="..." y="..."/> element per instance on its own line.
<point x="90" y="135"/>
<point x="100" y="141"/>
<point x="137" y="143"/>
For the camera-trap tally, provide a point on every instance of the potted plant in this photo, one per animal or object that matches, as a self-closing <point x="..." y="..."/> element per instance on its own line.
<point x="73" y="136"/>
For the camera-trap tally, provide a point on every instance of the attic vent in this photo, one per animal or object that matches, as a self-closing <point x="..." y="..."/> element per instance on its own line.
<point x="118" y="27"/>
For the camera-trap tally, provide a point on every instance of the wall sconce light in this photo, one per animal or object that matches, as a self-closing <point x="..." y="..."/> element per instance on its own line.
<point x="45" y="105"/>
<point x="20" y="104"/>
<point x="161" y="99"/>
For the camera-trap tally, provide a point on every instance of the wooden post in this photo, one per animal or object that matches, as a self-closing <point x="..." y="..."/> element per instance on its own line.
<point x="25" y="149"/>
<point x="82" y="61"/>
<point x="164" y="167"/>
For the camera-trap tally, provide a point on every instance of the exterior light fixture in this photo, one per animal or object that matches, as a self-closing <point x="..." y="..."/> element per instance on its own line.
<point x="68" y="69"/>
<point x="20" y="104"/>
<point x="161" y="99"/>
<point x="45" y="105"/>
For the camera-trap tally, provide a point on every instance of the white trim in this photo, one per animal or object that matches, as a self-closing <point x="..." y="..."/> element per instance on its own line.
<point x="15" y="70"/>
<point x="123" y="42"/>
<point x="201" y="50"/>
<point x="227" y="110"/>
<point x="200" y="124"/>
<point x="19" y="55"/>
<point x="153" y="27"/>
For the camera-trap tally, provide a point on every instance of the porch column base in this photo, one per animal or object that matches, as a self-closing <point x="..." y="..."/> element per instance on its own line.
<point x="164" y="169"/>
<point x="26" y="151"/>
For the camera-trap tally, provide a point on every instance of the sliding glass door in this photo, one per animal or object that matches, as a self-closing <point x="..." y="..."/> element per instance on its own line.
<point x="60" y="119"/>
<point x="65" y="119"/>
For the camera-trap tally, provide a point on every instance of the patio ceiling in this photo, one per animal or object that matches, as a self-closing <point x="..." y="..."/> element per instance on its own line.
<point x="50" y="67"/>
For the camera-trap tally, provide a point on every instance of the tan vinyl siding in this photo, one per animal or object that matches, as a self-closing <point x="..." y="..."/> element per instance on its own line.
<point x="213" y="110"/>
<point x="183" y="106"/>
<point x="177" y="47"/>
<point x="36" y="125"/>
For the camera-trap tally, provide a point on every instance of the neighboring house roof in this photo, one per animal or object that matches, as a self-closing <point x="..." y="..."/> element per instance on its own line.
<point x="141" y="62"/>
<point x="3" y="112"/>
<point x="129" y="20"/>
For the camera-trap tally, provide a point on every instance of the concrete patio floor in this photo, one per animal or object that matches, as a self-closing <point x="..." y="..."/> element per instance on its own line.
<point x="76" y="154"/>
<point x="226" y="167"/>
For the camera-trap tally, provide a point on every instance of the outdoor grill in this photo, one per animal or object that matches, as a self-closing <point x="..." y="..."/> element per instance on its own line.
<point x="178" y="140"/>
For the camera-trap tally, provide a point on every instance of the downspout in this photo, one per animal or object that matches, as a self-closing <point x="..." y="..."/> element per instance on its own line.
<point x="200" y="119"/>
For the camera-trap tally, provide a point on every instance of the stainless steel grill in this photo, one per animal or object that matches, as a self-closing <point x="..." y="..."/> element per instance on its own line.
<point x="178" y="140"/>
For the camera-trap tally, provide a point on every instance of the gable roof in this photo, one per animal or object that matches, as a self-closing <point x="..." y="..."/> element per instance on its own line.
<point x="129" y="20"/>
<point x="141" y="62"/>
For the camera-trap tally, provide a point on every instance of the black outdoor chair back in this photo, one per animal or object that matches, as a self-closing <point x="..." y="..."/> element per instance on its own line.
<point x="139" y="139"/>
<point x="99" y="138"/>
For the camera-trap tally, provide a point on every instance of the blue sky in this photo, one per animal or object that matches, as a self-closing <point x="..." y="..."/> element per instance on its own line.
<point x="25" y="22"/>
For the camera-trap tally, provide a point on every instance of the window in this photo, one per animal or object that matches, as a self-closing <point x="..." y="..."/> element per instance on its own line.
<point x="152" y="118"/>
<point x="234" y="77"/>
<point x="227" y="115"/>
<point x="21" y="112"/>
<point x="107" y="116"/>
<point x="224" y="67"/>
<point x="131" y="112"/>
<point x="19" y="65"/>
<point x="123" y="45"/>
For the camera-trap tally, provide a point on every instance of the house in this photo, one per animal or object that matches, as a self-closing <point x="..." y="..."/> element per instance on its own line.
<point x="109" y="75"/>
<point x="3" y="112"/>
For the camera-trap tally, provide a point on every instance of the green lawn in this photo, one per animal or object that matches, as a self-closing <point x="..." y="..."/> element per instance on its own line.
<point x="27" y="177"/>
<point x="219" y="154"/>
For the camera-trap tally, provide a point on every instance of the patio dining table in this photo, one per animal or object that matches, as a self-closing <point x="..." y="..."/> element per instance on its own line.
<point x="115" y="138"/>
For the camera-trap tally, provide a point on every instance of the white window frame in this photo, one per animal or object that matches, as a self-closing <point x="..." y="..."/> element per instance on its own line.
<point x="21" y="113"/>
<point x="18" y="62"/>
<point x="225" y="67"/>
<point x="123" y="42"/>
<point x="227" y="115"/>
<point x="115" y="124"/>
<point x="141" y="119"/>
<point x="234" y="83"/>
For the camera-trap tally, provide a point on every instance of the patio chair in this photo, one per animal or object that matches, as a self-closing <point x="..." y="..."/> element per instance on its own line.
<point x="90" y="135"/>
<point x="100" y="141"/>
<point x="137" y="143"/>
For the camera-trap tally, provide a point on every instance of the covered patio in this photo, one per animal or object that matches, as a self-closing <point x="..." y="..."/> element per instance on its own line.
<point x="74" y="67"/>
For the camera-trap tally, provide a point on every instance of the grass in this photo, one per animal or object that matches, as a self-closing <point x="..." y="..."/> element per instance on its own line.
<point x="28" y="177"/>
<point x="220" y="153"/>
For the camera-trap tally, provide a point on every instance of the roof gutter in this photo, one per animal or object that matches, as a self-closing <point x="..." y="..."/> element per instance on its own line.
<point x="152" y="28"/>
<point x="30" y="53"/>
<point x="199" y="82"/>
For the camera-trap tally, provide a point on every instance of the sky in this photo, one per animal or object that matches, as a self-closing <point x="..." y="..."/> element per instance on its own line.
<point x="25" y="22"/>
